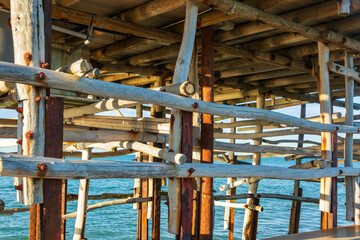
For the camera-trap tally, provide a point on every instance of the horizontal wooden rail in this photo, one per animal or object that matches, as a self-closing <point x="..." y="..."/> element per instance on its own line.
<point x="42" y="167"/>
<point x="51" y="79"/>
<point x="347" y="72"/>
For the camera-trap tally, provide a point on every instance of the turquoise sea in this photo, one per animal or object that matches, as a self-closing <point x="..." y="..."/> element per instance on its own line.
<point x="119" y="222"/>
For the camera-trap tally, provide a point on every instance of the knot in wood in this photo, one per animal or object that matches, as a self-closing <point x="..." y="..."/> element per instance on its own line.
<point x="42" y="167"/>
<point x="29" y="135"/>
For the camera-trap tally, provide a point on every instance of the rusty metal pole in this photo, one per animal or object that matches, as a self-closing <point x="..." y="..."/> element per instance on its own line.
<point x="187" y="183"/>
<point x="52" y="208"/>
<point x="207" y="133"/>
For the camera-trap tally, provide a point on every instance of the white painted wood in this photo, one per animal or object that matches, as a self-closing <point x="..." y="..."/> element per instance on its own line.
<point x="27" y="20"/>
<point x="239" y="205"/>
<point x="27" y="166"/>
<point x="19" y="181"/>
<point x="79" y="68"/>
<point x="345" y="71"/>
<point x="238" y="183"/>
<point x="357" y="201"/>
<point x="80" y="222"/>
<point x="10" y="72"/>
<point x="138" y="158"/>
<point x="325" y="115"/>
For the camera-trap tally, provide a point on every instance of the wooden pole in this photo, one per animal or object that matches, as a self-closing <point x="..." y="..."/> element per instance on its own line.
<point x="158" y="113"/>
<point x="54" y="205"/>
<point x="27" y="19"/>
<point x="137" y="183"/>
<point x="187" y="183"/>
<point x="80" y="222"/>
<point x="207" y="131"/>
<point x="231" y="192"/>
<point x="144" y="205"/>
<point x="296" y="205"/>
<point x="348" y="143"/>
<point x="325" y="115"/>
<point x="251" y="217"/>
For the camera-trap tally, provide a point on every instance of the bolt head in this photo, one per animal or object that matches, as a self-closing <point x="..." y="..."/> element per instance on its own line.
<point x="29" y="135"/>
<point x="42" y="167"/>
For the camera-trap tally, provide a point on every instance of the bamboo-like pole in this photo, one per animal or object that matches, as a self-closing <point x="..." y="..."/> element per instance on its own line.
<point x="250" y="218"/>
<point x="296" y="205"/>
<point x="344" y="70"/>
<point x="239" y="205"/>
<point x="348" y="142"/>
<point x="137" y="183"/>
<point x="325" y="115"/>
<point x="81" y="214"/>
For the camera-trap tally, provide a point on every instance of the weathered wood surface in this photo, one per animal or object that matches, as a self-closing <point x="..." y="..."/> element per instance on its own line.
<point x="239" y="205"/>
<point x="81" y="213"/>
<point x="325" y="113"/>
<point x="27" y="19"/>
<point x="10" y="72"/>
<point x="345" y="71"/>
<point x="254" y="14"/>
<point x="60" y="168"/>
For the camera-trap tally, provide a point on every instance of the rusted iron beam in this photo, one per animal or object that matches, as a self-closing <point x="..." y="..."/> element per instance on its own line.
<point x="207" y="133"/>
<point x="51" y="225"/>
<point x="187" y="183"/>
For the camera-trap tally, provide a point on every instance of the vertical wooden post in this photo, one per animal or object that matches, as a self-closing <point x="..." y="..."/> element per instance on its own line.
<point x="137" y="182"/>
<point x="325" y="115"/>
<point x="27" y="19"/>
<point x="207" y="133"/>
<point x="50" y="212"/>
<point x="296" y="205"/>
<point x="251" y="216"/>
<point x="348" y="144"/>
<point x="334" y="198"/>
<point x="158" y="113"/>
<point x="80" y="222"/>
<point x="229" y="215"/>
<point x="144" y="205"/>
<point x="187" y="183"/>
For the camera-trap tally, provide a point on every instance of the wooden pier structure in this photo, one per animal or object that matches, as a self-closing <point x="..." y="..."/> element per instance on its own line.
<point x="213" y="77"/>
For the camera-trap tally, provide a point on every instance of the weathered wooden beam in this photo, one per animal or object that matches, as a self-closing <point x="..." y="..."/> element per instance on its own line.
<point x="77" y="169"/>
<point x="325" y="111"/>
<point x="345" y="71"/>
<point x="239" y="205"/>
<point x="306" y="16"/>
<point x="254" y="14"/>
<point x="67" y="3"/>
<point x="21" y="74"/>
<point x="81" y="213"/>
<point x="349" y="138"/>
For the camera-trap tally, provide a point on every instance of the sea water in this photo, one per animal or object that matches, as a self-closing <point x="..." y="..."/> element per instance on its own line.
<point x="119" y="222"/>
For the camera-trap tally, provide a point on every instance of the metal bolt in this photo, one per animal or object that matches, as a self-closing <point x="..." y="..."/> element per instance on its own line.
<point x="19" y="110"/>
<point x="195" y="105"/>
<point x="28" y="57"/>
<point x="37" y="99"/>
<point x="19" y="187"/>
<point x="42" y="167"/>
<point x="40" y="76"/>
<point x="19" y="142"/>
<point x="45" y="65"/>
<point x="29" y="135"/>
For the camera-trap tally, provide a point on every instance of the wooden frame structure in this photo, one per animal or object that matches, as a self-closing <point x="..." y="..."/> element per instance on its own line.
<point x="256" y="56"/>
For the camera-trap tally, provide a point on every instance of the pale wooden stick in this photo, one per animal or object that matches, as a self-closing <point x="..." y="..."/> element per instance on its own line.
<point x="325" y="114"/>
<point x="239" y="205"/>
<point x="80" y="222"/>
<point x="249" y="218"/>
<point x="345" y="71"/>
<point x="349" y="139"/>
<point x="181" y="74"/>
